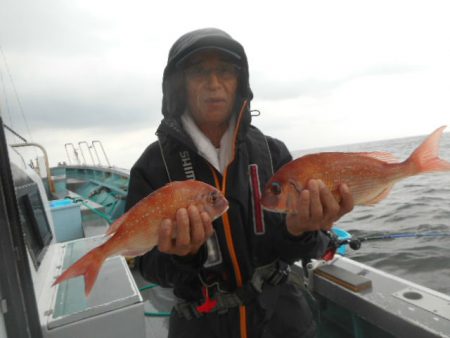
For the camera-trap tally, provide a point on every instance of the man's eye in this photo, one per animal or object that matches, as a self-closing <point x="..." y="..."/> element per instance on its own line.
<point x="223" y="70"/>
<point x="228" y="70"/>
<point x="197" y="71"/>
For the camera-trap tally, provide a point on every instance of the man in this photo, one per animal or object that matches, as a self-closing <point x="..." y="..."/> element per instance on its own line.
<point x="232" y="276"/>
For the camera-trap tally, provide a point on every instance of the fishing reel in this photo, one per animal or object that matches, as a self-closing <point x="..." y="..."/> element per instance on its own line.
<point x="353" y="243"/>
<point x="339" y="238"/>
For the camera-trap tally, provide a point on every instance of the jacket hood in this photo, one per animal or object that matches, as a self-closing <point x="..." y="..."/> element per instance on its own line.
<point x="174" y="101"/>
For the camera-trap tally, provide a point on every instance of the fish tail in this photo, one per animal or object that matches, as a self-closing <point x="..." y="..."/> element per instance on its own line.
<point x="87" y="266"/>
<point x="426" y="157"/>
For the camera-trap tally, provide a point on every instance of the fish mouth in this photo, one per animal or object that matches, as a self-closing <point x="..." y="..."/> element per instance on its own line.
<point x="224" y="211"/>
<point x="274" y="210"/>
<point x="269" y="202"/>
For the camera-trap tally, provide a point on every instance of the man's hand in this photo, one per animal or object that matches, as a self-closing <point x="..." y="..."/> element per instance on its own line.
<point x="187" y="234"/>
<point x="317" y="209"/>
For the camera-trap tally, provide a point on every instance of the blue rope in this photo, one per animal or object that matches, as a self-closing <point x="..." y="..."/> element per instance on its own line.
<point x="157" y="314"/>
<point x="154" y="314"/>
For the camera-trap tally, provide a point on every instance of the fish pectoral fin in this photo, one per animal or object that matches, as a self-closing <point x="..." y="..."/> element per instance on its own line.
<point x="116" y="225"/>
<point x="382" y="195"/>
<point x="297" y="186"/>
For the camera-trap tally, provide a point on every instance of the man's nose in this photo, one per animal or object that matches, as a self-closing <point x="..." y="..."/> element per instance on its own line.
<point x="213" y="78"/>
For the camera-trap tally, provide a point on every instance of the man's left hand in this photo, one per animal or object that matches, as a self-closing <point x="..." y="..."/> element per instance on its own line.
<point x="317" y="209"/>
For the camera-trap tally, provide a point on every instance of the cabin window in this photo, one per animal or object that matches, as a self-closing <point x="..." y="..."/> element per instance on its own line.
<point x="37" y="231"/>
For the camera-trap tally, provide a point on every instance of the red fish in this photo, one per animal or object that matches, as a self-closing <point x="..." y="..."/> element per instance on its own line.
<point x="136" y="232"/>
<point x="369" y="176"/>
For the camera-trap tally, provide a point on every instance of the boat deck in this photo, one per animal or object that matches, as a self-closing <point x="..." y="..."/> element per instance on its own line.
<point x="158" y="303"/>
<point x="389" y="307"/>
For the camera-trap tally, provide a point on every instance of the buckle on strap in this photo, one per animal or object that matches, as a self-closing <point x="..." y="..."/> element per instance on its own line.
<point x="281" y="273"/>
<point x="187" y="310"/>
<point x="274" y="273"/>
<point x="220" y="304"/>
<point x="209" y="304"/>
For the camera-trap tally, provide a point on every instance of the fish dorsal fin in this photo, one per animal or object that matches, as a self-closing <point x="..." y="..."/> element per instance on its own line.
<point x="380" y="155"/>
<point x="381" y="196"/>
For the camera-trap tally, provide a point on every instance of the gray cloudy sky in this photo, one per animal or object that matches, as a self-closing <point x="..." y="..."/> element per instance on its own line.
<point x="323" y="72"/>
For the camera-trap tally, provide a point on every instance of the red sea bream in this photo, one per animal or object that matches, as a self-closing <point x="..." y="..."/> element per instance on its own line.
<point x="369" y="176"/>
<point x="136" y="232"/>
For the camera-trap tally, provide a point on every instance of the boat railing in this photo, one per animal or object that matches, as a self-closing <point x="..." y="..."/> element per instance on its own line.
<point x="89" y="151"/>
<point x="74" y="151"/>
<point x="51" y="184"/>
<point x="93" y="149"/>
<point x="103" y="150"/>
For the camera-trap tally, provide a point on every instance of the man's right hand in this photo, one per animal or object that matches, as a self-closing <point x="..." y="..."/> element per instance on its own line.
<point x="187" y="234"/>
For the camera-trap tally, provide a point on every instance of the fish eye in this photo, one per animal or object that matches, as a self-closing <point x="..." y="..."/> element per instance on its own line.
<point x="213" y="197"/>
<point x="275" y="188"/>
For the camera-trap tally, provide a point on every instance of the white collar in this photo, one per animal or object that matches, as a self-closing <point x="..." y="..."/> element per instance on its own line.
<point x="217" y="157"/>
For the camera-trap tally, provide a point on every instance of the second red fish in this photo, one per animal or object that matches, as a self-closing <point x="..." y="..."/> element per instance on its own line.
<point x="370" y="176"/>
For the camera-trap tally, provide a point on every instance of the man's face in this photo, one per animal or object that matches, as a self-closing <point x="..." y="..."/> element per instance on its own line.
<point x="211" y="84"/>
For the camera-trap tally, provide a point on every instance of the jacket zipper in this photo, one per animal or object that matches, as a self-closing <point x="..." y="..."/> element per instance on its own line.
<point x="227" y="225"/>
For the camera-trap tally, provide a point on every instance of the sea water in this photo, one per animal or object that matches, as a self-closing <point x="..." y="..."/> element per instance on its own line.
<point x="415" y="205"/>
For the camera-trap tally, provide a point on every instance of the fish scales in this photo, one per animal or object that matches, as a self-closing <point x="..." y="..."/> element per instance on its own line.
<point x="365" y="176"/>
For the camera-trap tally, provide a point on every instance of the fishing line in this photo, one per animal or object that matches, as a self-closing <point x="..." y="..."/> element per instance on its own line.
<point x="19" y="102"/>
<point x="14" y="133"/>
<point x="355" y="243"/>
<point x="7" y="109"/>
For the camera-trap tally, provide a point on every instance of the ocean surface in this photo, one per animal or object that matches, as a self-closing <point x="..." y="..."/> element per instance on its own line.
<point x="415" y="205"/>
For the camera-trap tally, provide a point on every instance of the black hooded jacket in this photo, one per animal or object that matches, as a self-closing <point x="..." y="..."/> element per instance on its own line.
<point x="248" y="237"/>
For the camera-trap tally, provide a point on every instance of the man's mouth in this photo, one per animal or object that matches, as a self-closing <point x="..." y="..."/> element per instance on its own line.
<point x="215" y="100"/>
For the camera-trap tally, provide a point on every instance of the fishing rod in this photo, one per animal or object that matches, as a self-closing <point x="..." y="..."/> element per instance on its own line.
<point x="345" y="238"/>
